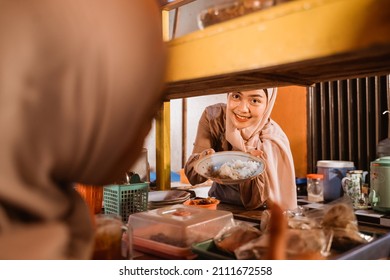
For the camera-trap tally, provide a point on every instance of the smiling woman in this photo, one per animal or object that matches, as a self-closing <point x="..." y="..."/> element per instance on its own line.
<point x="244" y="124"/>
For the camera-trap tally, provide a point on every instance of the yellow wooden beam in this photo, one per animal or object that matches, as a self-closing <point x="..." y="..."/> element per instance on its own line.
<point x="163" y="148"/>
<point x="163" y="141"/>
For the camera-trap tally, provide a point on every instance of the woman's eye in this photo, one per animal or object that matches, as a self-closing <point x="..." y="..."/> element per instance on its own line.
<point x="256" y="101"/>
<point x="235" y="96"/>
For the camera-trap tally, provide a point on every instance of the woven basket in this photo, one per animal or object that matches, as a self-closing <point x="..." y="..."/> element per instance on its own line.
<point x="125" y="200"/>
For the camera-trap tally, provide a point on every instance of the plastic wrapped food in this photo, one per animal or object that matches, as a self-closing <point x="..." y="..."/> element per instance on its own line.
<point x="341" y="220"/>
<point x="301" y="244"/>
<point x="232" y="237"/>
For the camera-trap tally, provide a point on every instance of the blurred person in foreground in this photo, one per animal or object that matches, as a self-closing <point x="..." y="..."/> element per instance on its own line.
<point x="283" y="244"/>
<point x="80" y="82"/>
<point x="244" y="124"/>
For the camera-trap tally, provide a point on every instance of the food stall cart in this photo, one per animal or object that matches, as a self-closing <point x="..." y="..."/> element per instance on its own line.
<point x="296" y="43"/>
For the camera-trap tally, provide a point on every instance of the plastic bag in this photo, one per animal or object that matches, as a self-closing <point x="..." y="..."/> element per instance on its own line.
<point x="232" y="237"/>
<point x="301" y="244"/>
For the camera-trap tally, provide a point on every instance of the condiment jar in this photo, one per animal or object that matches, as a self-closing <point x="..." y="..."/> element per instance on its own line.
<point x="315" y="187"/>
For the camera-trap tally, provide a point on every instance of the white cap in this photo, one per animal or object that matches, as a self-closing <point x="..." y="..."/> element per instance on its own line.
<point x="334" y="163"/>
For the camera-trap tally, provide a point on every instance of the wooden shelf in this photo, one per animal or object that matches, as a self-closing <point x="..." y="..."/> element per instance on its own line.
<point x="296" y="43"/>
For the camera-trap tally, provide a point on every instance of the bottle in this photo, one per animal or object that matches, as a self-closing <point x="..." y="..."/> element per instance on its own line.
<point x="315" y="187"/>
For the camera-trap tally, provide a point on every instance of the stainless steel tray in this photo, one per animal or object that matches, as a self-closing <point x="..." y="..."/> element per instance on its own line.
<point x="379" y="248"/>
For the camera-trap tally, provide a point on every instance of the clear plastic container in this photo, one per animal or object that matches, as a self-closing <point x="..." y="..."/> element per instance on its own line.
<point x="172" y="230"/>
<point x="315" y="187"/>
<point x="333" y="171"/>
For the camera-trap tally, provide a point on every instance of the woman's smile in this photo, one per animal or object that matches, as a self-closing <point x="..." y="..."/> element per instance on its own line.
<point x="241" y="118"/>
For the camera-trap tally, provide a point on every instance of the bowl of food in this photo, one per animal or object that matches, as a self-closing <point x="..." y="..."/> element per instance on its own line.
<point x="206" y="203"/>
<point x="230" y="167"/>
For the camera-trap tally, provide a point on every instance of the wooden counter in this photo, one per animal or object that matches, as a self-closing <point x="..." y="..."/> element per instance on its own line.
<point x="379" y="248"/>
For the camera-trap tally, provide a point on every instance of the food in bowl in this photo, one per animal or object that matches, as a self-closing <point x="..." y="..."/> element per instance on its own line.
<point x="209" y="202"/>
<point x="235" y="169"/>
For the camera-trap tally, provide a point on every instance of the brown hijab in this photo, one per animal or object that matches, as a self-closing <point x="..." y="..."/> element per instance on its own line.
<point x="80" y="82"/>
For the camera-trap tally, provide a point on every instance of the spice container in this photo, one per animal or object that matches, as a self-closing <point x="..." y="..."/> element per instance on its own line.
<point x="113" y="239"/>
<point x="315" y="187"/>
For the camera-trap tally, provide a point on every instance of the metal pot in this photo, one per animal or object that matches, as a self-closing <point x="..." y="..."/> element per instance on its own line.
<point x="380" y="184"/>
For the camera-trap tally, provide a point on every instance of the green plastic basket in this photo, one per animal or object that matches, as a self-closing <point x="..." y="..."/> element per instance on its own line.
<point x="125" y="200"/>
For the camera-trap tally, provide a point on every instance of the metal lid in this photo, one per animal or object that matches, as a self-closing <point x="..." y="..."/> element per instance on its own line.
<point x="334" y="163"/>
<point x="383" y="161"/>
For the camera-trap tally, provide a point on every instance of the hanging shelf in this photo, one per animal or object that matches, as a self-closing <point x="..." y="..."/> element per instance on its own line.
<point x="296" y="43"/>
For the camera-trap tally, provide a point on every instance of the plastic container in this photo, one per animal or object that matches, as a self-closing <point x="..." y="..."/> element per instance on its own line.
<point x="173" y="229"/>
<point x="113" y="239"/>
<point x="315" y="187"/>
<point x="125" y="200"/>
<point x="334" y="171"/>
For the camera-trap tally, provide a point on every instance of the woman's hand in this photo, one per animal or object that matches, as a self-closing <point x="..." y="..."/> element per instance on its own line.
<point x="206" y="153"/>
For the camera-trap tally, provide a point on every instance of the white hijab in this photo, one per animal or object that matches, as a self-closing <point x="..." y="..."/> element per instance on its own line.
<point x="268" y="137"/>
<point x="80" y="82"/>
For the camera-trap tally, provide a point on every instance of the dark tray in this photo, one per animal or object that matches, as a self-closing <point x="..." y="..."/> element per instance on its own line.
<point x="206" y="250"/>
<point x="379" y="248"/>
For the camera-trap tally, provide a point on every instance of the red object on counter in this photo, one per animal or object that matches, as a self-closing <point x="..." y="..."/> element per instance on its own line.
<point x="93" y="196"/>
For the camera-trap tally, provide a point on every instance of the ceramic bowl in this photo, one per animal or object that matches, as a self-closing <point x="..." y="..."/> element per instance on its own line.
<point x="205" y="203"/>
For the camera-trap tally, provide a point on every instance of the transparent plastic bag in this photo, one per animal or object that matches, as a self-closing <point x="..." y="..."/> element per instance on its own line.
<point x="340" y="219"/>
<point x="300" y="244"/>
<point x="232" y="237"/>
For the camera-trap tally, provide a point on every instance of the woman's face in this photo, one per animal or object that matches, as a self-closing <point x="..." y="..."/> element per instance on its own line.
<point x="246" y="107"/>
